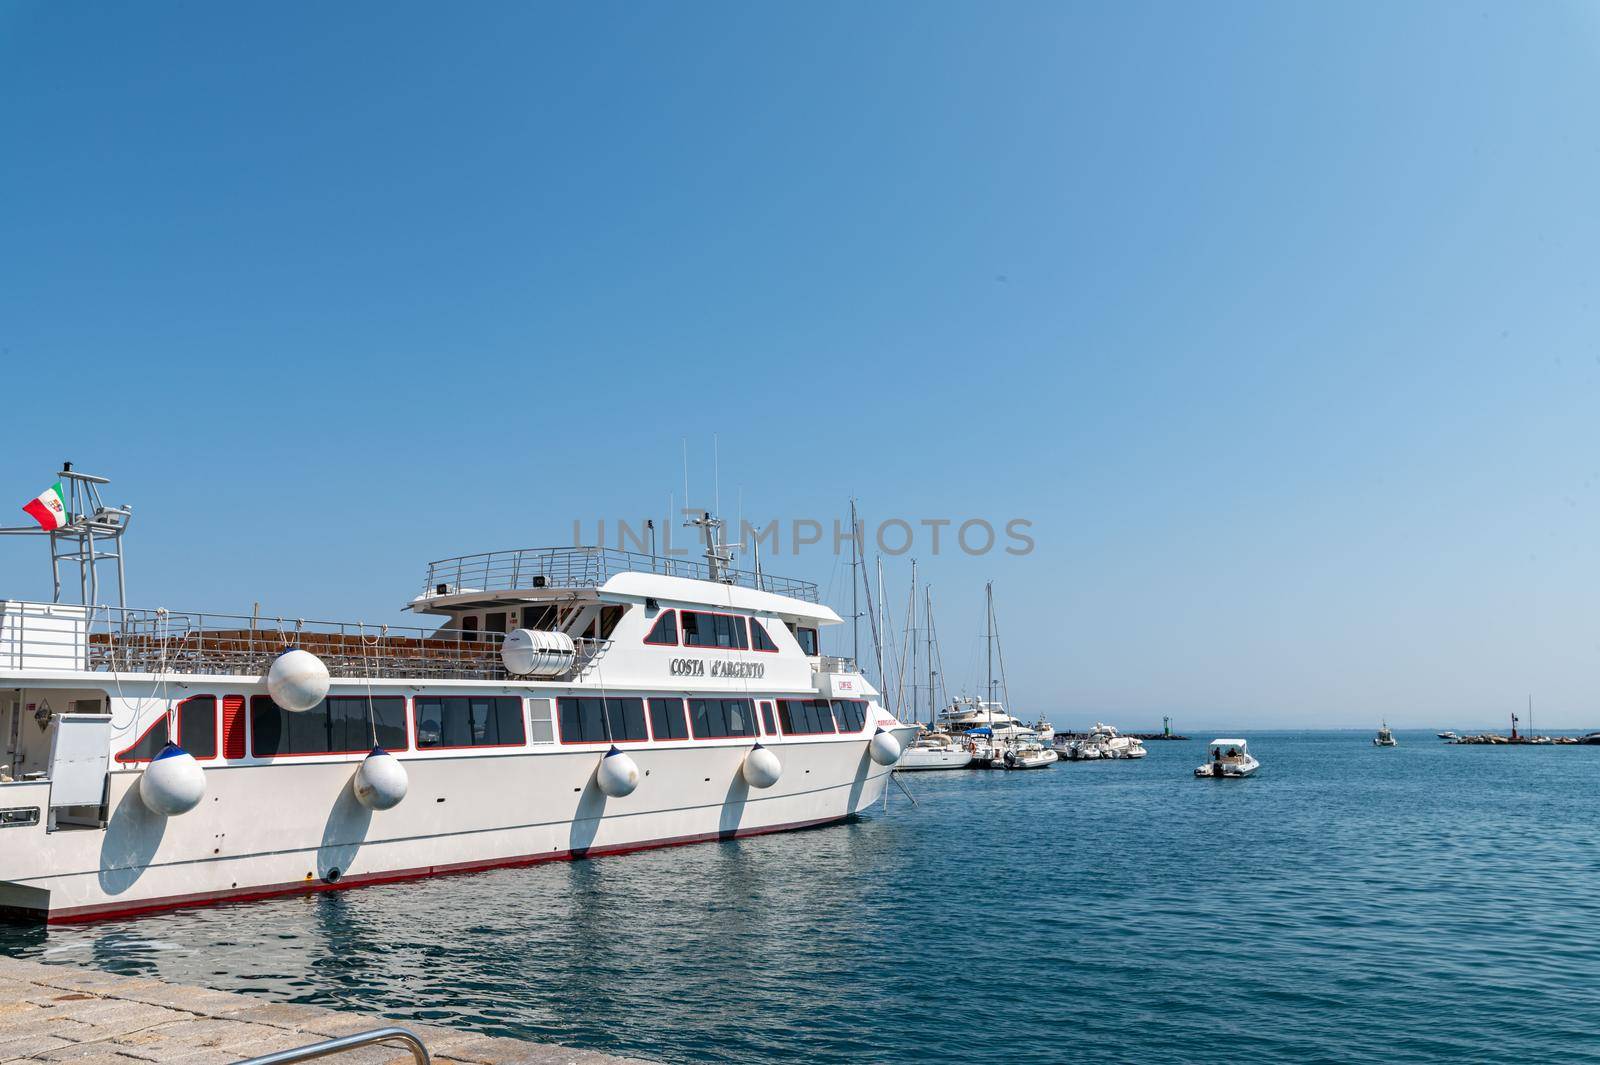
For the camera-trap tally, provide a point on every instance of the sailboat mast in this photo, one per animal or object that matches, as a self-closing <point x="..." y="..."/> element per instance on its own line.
<point x="988" y="596"/>
<point x="883" y="682"/>
<point x="911" y="633"/>
<point x="927" y="619"/>
<point x="855" y="565"/>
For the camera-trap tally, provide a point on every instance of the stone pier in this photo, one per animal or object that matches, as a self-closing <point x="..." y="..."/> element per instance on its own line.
<point x="65" y="1015"/>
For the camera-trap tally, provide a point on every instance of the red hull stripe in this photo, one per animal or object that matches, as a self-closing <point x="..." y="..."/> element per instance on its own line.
<point x="110" y="910"/>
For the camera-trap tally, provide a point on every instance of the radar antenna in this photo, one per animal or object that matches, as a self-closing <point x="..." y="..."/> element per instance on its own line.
<point x="92" y="535"/>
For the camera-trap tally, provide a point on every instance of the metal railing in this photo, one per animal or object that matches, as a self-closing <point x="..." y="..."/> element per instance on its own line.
<point x="835" y="664"/>
<point x="311" y="1052"/>
<point x="114" y="640"/>
<point x="586" y="567"/>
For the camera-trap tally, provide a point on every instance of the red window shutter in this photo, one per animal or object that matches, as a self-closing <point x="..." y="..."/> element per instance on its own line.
<point x="233" y="726"/>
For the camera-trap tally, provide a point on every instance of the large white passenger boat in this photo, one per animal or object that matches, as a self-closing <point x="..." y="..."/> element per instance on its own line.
<point x="570" y="702"/>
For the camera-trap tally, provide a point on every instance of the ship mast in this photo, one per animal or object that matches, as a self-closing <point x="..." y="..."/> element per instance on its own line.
<point x="92" y="534"/>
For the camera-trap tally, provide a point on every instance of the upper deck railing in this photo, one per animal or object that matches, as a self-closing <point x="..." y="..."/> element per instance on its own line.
<point x="586" y="567"/>
<point x="104" y="639"/>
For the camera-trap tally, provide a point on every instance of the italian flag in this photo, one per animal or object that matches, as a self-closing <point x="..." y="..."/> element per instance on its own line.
<point x="50" y="509"/>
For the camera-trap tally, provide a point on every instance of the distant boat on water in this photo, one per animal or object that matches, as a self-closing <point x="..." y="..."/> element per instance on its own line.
<point x="1385" y="737"/>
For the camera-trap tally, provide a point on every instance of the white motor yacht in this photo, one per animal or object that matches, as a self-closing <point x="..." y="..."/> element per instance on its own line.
<point x="1230" y="759"/>
<point x="1028" y="755"/>
<point x="162" y="759"/>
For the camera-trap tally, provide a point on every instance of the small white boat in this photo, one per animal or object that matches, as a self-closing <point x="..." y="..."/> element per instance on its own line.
<point x="1029" y="756"/>
<point x="1230" y="760"/>
<point x="1385" y="737"/>
<point x="934" y="750"/>
<point x="1448" y="735"/>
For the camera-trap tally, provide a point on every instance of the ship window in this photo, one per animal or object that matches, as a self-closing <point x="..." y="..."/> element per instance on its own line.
<point x="851" y="714"/>
<point x="808" y="641"/>
<point x="759" y="640"/>
<point x="667" y="720"/>
<point x="197" y="732"/>
<point x="805" y="717"/>
<point x="600" y="720"/>
<point x="147" y="746"/>
<point x="541" y="729"/>
<point x="340" y="724"/>
<point x="768" y="721"/>
<point x="665" y="631"/>
<point x="545" y="617"/>
<point x="713" y="630"/>
<point x="626" y="717"/>
<point x="714" y="719"/>
<point x="197" y="726"/>
<point x="495" y="623"/>
<point x="468" y="721"/>
<point x="233" y="726"/>
<point x="469" y="627"/>
<point x="605" y="623"/>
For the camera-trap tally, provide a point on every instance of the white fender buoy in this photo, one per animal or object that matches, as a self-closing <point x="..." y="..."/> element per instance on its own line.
<point x="380" y="781"/>
<point x="298" y="680"/>
<point x="618" y="774"/>
<point x="761" y="767"/>
<point x="173" y="783"/>
<point x="884" y="748"/>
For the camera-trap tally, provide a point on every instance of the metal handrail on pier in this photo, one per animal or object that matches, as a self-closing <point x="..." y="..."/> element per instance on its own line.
<point x="413" y="1042"/>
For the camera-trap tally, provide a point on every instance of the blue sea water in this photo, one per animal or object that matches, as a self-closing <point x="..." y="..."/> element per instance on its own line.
<point x="1348" y="904"/>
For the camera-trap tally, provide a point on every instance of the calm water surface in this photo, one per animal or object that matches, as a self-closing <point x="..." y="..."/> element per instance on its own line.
<point x="1348" y="904"/>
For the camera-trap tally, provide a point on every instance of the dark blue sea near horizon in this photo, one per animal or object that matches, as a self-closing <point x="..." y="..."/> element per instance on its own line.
<point x="1422" y="903"/>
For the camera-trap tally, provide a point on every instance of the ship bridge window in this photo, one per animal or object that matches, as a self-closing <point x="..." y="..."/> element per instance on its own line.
<point x="807" y="639"/>
<point x="468" y="721"/>
<point x="759" y="640"/>
<point x="495" y="623"/>
<point x="197" y="732"/>
<point x="667" y="721"/>
<point x="340" y="724"/>
<point x="851" y="714"/>
<point x="589" y="719"/>
<point x="701" y="629"/>
<point x="805" y="717"/>
<point x="715" y="719"/>
<point x="541" y="618"/>
<point x="605" y="623"/>
<point x="664" y="633"/>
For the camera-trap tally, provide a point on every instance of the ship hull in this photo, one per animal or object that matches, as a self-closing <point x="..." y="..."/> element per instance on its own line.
<point x="289" y="827"/>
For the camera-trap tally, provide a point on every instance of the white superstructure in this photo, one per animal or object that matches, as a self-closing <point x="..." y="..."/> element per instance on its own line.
<point x="656" y="701"/>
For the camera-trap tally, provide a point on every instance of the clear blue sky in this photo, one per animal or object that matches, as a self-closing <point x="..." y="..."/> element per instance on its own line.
<point x="1280" y="321"/>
